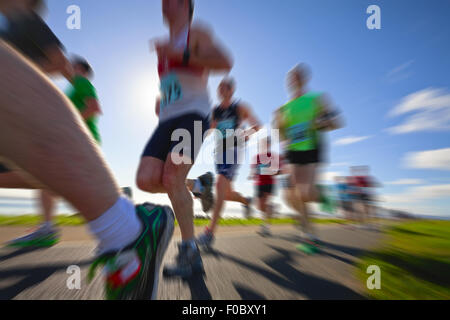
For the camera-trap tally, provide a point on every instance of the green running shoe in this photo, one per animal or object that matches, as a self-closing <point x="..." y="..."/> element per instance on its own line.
<point x="133" y="273"/>
<point x="43" y="237"/>
<point x="310" y="247"/>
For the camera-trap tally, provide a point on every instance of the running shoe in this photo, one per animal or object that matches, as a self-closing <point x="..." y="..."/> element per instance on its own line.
<point x="187" y="264"/>
<point x="310" y="246"/>
<point x="265" y="231"/>
<point x="206" y="196"/>
<point x="206" y="240"/>
<point x="133" y="273"/>
<point x="248" y="208"/>
<point x="44" y="237"/>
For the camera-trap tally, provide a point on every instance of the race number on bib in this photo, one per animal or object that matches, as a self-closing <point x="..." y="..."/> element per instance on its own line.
<point x="171" y="91"/>
<point x="299" y="133"/>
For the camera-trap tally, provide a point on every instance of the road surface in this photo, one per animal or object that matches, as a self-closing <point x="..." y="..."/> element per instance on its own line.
<point x="243" y="266"/>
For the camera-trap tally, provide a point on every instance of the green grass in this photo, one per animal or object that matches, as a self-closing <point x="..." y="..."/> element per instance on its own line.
<point x="33" y="220"/>
<point x="75" y="220"/>
<point x="414" y="262"/>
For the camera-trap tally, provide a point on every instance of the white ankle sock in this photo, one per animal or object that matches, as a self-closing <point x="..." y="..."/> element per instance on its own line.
<point x="118" y="227"/>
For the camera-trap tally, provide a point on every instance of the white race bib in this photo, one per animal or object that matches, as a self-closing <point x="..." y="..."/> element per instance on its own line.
<point x="171" y="90"/>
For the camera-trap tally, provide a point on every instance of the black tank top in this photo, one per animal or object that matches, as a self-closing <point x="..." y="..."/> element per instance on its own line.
<point x="228" y="121"/>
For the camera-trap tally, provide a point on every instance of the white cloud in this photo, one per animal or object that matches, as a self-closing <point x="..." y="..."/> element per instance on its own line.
<point x="405" y="182"/>
<point x="350" y="140"/>
<point x="432" y="159"/>
<point x="418" y="194"/>
<point x="426" y="210"/>
<point x="429" y="110"/>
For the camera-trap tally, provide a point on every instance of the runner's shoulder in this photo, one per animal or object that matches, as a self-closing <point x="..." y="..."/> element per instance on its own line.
<point x="242" y="105"/>
<point x="201" y="31"/>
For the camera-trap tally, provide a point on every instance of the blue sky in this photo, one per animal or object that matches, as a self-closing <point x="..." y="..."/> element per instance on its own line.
<point x="380" y="79"/>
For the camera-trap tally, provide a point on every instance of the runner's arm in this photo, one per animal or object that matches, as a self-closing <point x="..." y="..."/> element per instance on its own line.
<point x="92" y="108"/>
<point x="55" y="62"/>
<point x="212" y="126"/>
<point x="207" y="53"/>
<point x="247" y="115"/>
<point x="278" y="123"/>
<point x="204" y="52"/>
<point x="329" y="119"/>
<point x="158" y="107"/>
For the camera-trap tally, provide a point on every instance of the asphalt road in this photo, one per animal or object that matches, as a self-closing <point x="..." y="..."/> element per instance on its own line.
<point x="243" y="266"/>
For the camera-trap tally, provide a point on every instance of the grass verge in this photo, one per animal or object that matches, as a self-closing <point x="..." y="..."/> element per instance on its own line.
<point x="414" y="261"/>
<point x="76" y="220"/>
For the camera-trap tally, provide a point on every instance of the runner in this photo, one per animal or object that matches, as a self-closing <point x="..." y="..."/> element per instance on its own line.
<point x="300" y="122"/>
<point x="363" y="185"/>
<point x="23" y="28"/>
<point x="227" y="118"/>
<point x="201" y="187"/>
<point x="28" y="33"/>
<point x="185" y="61"/>
<point x="84" y="97"/>
<point x="266" y="167"/>
<point x="132" y="240"/>
<point x="345" y="198"/>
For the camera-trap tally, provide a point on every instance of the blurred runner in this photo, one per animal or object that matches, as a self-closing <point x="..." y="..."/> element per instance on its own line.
<point x="228" y="118"/>
<point x="301" y="122"/>
<point x="84" y="97"/>
<point x="266" y="166"/>
<point x="185" y="61"/>
<point x="345" y="197"/>
<point x="364" y="185"/>
<point x="28" y="33"/>
<point x="132" y="240"/>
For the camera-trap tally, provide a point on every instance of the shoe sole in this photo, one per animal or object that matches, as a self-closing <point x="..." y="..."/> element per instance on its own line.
<point x="162" y="249"/>
<point x="208" y="192"/>
<point x="207" y="197"/>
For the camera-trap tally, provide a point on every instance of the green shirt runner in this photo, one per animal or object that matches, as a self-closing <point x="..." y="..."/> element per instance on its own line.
<point x="80" y="90"/>
<point x="300" y="115"/>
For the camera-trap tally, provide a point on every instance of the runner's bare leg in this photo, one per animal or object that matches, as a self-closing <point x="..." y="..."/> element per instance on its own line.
<point x="37" y="124"/>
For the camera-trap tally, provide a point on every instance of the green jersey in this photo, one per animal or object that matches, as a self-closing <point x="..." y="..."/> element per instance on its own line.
<point x="299" y="116"/>
<point x="81" y="90"/>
